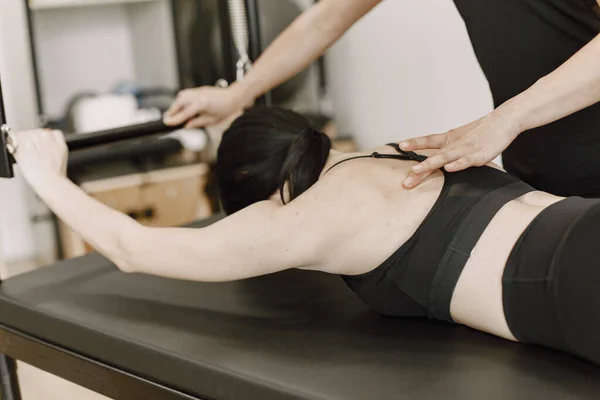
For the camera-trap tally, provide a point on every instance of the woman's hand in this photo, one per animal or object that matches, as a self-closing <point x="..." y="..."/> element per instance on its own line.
<point x="40" y="154"/>
<point x="475" y="144"/>
<point x="204" y="106"/>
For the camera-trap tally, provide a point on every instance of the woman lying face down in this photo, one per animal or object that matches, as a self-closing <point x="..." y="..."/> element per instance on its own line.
<point x="476" y="247"/>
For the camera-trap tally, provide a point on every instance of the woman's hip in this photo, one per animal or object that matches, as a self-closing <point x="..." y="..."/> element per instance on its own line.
<point x="551" y="283"/>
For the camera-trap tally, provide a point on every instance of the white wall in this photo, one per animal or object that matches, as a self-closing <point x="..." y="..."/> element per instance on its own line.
<point x="16" y="231"/>
<point x="406" y="69"/>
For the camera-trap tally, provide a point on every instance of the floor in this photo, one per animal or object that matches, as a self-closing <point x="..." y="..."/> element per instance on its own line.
<point x="36" y="384"/>
<point x="39" y="385"/>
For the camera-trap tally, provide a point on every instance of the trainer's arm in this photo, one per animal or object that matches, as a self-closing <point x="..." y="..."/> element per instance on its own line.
<point x="307" y="38"/>
<point x="571" y="87"/>
<point x="296" y="47"/>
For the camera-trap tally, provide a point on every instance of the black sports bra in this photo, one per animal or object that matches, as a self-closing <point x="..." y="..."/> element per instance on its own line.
<point x="419" y="278"/>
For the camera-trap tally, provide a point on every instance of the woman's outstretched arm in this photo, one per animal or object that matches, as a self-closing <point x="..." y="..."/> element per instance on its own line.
<point x="261" y="239"/>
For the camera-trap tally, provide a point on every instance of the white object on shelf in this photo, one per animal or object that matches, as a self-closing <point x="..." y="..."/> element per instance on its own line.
<point x="191" y="139"/>
<point x="104" y="112"/>
<point x="50" y="4"/>
<point x="110" y="111"/>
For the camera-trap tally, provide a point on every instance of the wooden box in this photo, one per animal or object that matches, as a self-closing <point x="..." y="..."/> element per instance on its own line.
<point x="162" y="198"/>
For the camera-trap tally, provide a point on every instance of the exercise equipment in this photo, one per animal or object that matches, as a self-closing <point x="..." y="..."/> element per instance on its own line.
<point x="138" y="149"/>
<point x="292" y="335"/>
<point x="77" y="141"/>
<point x="6" y="160"/>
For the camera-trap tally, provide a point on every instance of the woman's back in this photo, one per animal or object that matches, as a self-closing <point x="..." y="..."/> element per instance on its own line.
<point x="378" y="216"/>
<point x="358" y="219"/>
<point x="369" y="197"/>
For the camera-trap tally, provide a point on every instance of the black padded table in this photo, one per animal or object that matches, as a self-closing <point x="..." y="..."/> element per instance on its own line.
<point x="292" y="335"/>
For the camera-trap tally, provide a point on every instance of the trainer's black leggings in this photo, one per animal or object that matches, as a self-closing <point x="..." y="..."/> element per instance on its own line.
<point x="551" y="283"/>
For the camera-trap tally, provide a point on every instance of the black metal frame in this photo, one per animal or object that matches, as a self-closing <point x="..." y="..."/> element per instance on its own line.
<point x="77" y="141"/>
<point x="97" y="376"/>
<point x="177" y="39"/>
<point x="228" y="55"/>
<point x="9" y="385"/>
<point x="82" y="141"/>
<point x="229" y="51"/>
<point x="34" y="65"/>
<point x="6" y="160"/>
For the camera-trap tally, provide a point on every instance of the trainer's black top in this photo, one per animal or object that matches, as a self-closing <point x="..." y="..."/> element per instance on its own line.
<point x="518" y="42"/>
<point x="419" y="278"/>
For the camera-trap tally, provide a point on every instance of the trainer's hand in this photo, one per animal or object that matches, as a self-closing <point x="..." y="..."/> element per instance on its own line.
<point x="40" y="154"/>
<point x="475" y="144"/>
<point x="203" y="106"/>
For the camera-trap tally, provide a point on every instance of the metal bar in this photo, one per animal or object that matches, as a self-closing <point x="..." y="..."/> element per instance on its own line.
<point x="84" y="140"/>
<point x="229" y="52"/>
<point x="254" y="37"/>
<point x="2" y="112"/>
<point x="146" y="148"/>
<point x="34" y="64"/>
<point x="255" y="41"/>
<point x="9" y="384"/>
<point x="76" y="141"/>
<point x="6" y="160"/>
<point x="83" y="371"/>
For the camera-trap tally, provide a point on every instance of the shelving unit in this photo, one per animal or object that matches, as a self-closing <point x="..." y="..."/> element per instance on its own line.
<point x="91" y="46"/>
<point x="53" y="4"/>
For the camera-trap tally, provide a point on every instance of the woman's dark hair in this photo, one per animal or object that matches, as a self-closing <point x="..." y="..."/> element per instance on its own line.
<point x="264" y="149"/>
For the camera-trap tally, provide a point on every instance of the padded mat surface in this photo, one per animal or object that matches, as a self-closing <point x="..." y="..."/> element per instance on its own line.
<point x="292" y="335"/>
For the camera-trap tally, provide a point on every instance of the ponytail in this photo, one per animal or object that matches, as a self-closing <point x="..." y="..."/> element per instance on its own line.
<point x="304" y="163"/>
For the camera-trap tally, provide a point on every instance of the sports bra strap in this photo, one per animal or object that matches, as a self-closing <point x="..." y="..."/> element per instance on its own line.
<point x="403" y="155"/>
<point x="410" y="155"/>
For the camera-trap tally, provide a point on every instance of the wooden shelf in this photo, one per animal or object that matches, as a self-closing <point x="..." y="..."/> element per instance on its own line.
<point x="53" y="4"/>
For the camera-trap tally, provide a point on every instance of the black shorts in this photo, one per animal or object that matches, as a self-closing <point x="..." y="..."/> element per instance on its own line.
<point x="551" y="283"/>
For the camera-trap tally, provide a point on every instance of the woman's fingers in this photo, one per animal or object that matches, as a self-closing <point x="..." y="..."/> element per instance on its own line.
<point x="177" y="105"/>
<point x="183" y="108"/>
<point x="37" y="139"/>
<point x="60" y="139"/>
<point x="199" y="122"/>
<point x="435" y="141"/>
<point x="185" y="113"/>
<point x="414" y="179"/>
<point x="173" y="110"/>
